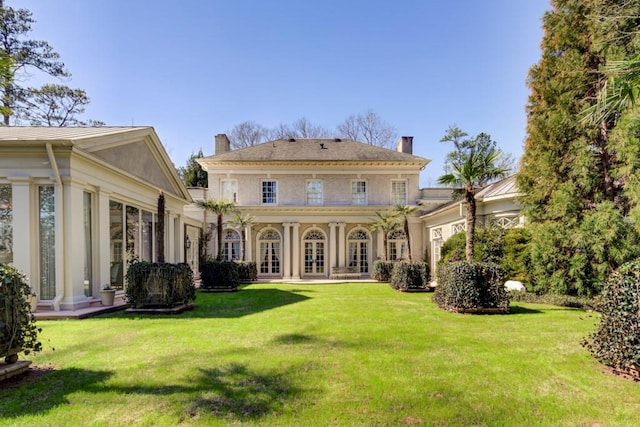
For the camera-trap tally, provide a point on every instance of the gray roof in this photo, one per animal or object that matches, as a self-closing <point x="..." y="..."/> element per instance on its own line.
<point x="315" y="150"/>
<point x="43" y="133"/>
<point x="503" y="187"/>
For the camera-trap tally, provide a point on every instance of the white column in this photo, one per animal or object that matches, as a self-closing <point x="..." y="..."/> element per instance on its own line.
<point x="341" y="245"/>
<point x="103" y="242"/>
<point x="248" y="243"/>
<point x="24" y="235"/>
<point x="286" y="254"/>
<point x="332" y="246"/>
<point x="296" y="250"/>
<point x="380" y="235"/>
<point x="73" y="248"/>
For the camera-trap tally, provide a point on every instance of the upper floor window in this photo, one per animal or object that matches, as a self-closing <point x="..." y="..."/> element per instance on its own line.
<point x="269" y="192"/>
<point x="229" y="190"/>
<point x="314" y="192"/>
<point x="399" y="192"/>
<point x="359" y="192"/>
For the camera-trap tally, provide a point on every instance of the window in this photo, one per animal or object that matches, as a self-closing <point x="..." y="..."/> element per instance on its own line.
<point x="269" y="243"/>
<point x="359" y="250"/>
<point x="398" y="192"/>
<point x="229" y="190"/>
<point x="47" y="243"/>
<point x="88" y="245"/>
<point x="147" y="236"/>
<point x="314" y="192"/>
<point x="6" y="225"/>
<point x="269" y="192"/>
<point x="397" y="245"/>
<point x="116" y="228"/>
<point x="359" y="192"/>
<point x="230" y="245"/>
<point x="458" y="228"/>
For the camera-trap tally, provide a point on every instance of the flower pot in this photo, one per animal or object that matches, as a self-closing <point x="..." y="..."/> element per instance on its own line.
<point x="107" y="296"/>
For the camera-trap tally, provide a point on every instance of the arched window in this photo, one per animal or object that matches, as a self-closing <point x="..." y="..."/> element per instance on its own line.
<point x="230" y="245"/>
<point x="397" y="245"/>
<point x="314" y="247"/>
<point x="269" y="246"/>
<point x="358" y="243"/>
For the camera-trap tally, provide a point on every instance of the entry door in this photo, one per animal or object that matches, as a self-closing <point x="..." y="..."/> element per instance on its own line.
<point x="269" y="257"/>
<point x="314" y="257"/>
<point x="358" y="256"/>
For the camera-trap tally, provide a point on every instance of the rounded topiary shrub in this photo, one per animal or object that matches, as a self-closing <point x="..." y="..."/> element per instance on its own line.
<point x="382" y="270"/>
<point x="18" y="332"/>
<point x="471" y="287"/>
<point x="409" y="277"/>
<point x="219" y="276"/>
<point x="616" y="343"/>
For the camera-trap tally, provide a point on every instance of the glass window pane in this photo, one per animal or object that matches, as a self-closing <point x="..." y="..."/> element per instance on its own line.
<point x="398" y="192"/>
<point x="88" y="246"/>
<point x="116" y="228"/>
<point x="147" y="236"/>
<point x="359" y="192"/>
<point x="314" y="192"/>
<point x="47" y="235"/>
<point x="229" y="190"/>
<point x="133" y="232"/>
<point x="6" y="225"/>
<point x="269" y="192"/>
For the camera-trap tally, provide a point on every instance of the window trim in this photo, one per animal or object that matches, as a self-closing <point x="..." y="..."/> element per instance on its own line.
<point x="366" y="192"/>
<point x="406" y="192"/>
<point x="306" y="188"/>
<point x="262" y="193"/>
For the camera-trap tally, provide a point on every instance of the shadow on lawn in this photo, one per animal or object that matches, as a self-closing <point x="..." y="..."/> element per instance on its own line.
<point x="517" y="309"/>
<point x="230" y="304"/>
<point x="40" y="393"/>
<point x="233" y="392"/>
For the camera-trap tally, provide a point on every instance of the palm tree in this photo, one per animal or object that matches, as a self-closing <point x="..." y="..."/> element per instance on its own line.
<point x="241" y="222"/>
<point x="387" y="223"/>
<point x="219" y="208"/>
<point x="618" y="93"/>
<point x="473" y="170"/>
<point x="404" y="212"/>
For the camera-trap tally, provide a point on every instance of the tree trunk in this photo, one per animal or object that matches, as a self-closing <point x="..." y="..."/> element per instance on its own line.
<point x="160" y="229"/>
<point x="470" y="201"/>
<point x="243" y="237"/>
<point x="386" y="247"/>
<point x="219" y="235"/>
<point x="406" y="232"/>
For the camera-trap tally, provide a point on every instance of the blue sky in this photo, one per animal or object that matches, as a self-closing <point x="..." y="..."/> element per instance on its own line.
<point x="195" y="68"/>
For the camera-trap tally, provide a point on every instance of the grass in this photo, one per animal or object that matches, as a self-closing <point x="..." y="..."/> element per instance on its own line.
<point x="352" y="354"/>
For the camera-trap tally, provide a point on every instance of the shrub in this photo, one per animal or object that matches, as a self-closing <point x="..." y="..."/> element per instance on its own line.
<point x="18" y="331"/>
<point x="516" y="255"/>
<point x="247" y="271"/>
<point x="159" y="284"/>
<point x="471" y="287"/>
<point x="382" y="270"/>
<point x="616" y="343"/>
<point x="409" y="276"/>
<point x="555" y="299"/>
<point x="220" y="276"/>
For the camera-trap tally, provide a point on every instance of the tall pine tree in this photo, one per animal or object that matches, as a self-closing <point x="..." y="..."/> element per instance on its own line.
<point x="571" y="171"/>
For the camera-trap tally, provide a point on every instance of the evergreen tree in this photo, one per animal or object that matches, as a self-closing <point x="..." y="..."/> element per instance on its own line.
<point x="570" y="173"/>
<point x="192" y="174"/>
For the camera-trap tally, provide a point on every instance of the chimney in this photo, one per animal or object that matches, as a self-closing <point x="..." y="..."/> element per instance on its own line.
<point x="223" y="145"/>
<point x="405" y="144"/>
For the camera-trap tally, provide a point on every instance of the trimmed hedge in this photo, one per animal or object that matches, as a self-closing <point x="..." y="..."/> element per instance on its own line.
<point x="18" y="331"/>
<point x="409" y="277"/>
<point x="616" y="343"/>
<point x="471" y="287"/>
<point x="382" y="270"/>
<point x="151" y="284"/>
<point x="247" y="271"/>
<point x="220" y="276"/>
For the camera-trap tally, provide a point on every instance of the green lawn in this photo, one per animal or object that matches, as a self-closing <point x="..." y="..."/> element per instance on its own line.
<point x="316" y="355"/>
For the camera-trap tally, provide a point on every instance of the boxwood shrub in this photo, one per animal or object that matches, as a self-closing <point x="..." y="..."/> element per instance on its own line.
<point x="471" y="287"/>
<point x="18" y="331"/>
<point x="616" y="342"/>
<point x="382" y="270"/>
<point x="248" y="271"/>
<point x="219" y="276"/>
<point x="151" y="284"/>
<point x="408" y="277"/>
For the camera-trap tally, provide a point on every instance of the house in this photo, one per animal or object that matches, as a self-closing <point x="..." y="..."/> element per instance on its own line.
<point x="313" y="201"/>
<point x="76" y="202"/>
<point x="495" y="202"/>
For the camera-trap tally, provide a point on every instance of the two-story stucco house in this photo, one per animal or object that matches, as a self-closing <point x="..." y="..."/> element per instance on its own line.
<point x="75" y="202"/>
<point x="313" y="201"/>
